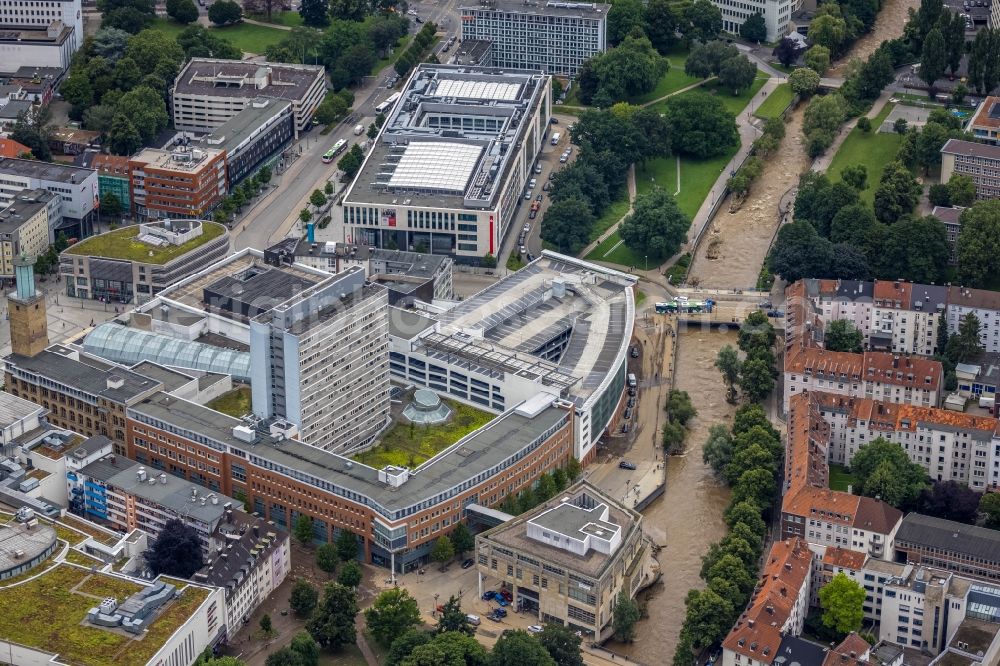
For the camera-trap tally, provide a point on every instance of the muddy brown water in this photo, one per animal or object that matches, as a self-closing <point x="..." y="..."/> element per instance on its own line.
<point x="733" y="249"/>
<point x="688" y="517"/>
<point x="888" y="25"/>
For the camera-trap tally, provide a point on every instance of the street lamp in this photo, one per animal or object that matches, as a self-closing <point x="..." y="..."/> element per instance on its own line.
<point x="434" y="612"/>
<point x="645" y="259"/>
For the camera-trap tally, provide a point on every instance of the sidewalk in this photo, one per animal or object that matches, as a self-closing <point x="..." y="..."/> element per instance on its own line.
<point x="822" y="163"/>
<point x="614" y="227"/>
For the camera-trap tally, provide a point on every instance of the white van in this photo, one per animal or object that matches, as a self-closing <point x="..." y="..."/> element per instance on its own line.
<point x="555" y="138"/>
<point x="632" y="383"/>
<point x="473" y="620"/>
<point x="359" y="130"/>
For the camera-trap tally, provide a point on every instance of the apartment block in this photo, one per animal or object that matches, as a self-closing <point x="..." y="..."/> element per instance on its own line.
<point x="979" y="161"/>
<point x="967" y="550"/>
<point x="184" y="183"/>
<point x="24" y="228"/>
<point x="555" y="37"/>
<point x="567" y="560"/>
<point x="208" y="91"/>
<point x="78" y="190"/>
<point x="951" y="218"/>
<point x="254" y="137"/>
<point x="985" y="305"/>
<point x="985" y="123"/>
<point x="776" y="15"/>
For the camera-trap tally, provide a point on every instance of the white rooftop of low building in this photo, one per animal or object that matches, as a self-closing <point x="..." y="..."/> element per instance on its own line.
<point x="478" y="89"/>
<point x="437" y="165"/>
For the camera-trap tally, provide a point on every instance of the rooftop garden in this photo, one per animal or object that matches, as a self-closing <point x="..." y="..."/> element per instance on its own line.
<point x="47" y="613"/>
<point x="84" y="560"/>
<point x="235" y="403"/>
<point x="101" y="536"/>
<point x="408" y="445"/>
<point x="123" y="244"/>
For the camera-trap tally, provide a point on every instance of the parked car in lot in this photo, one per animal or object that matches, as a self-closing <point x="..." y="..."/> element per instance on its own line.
<point x="468" y="564"/>
<point x="533" y="214"/>
<point x="527" y="194"/>
<point x="546" y="185"/>
<point x="628" y="414"/>
<point x="540" y="198"/>
<point x="625" y="464"/>
<point x="538" y="167"/>
<point x="532" y="183"/>
<point x="775" y="313"/>
<point x="527" y="227"/>
<point x="535" y="629"/>
<point x="633" y="352"/>
<point x="765" y="305"/>
<point x="624" y="428"/>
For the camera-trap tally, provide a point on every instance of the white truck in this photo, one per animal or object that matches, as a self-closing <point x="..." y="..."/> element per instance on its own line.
<point x="555" y="138"/>
<point x="359" y="130"/>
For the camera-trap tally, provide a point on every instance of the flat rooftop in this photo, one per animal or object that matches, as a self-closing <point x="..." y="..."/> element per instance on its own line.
<point x="503" y="327"/>
<point x="451" y="138"/>
<point x="25" y="205"/>
<point x="14" y="409"/>
<point x="124" y="244"/>
<point x="230" y="134"/>
<point x="948" y="536"/>
<point x="502" y="439"/>
<point x="186" y="159"/>
<point x="16" y="537"/>
<point x="591" y="10"/>
<point x="51" y="171"/>
<point x="514" y="533"/>
<point x="161" y="488"/>
<point x="214" y="77"/>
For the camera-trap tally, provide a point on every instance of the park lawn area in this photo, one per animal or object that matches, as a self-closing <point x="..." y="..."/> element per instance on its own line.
<point x="619" y="255"/>
<point x="733" y="103"/>
<point x="290" y="19"/>
<point x="397" y="50"/>
<point x="404" y="445"/>
<point x="44" y="613"/>
<point x="697" y="178"/>
<point x="775" y="103"/>
<point x="615" y="211"/>
<point x="873" y="149"/>
<point x="168" y="27"/>
<point x="675" y="79"/>
<point x="235" y="403"/>
<point x="840" y="478"/>
<point x="249" y="37"/>
<point x="122" y="244"/>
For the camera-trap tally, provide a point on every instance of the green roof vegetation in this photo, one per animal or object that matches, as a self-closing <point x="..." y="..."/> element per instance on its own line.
<point x="48" y="613"/>
<point x="122" y="244"/>
<point x="408" y="445"/>
<point x="235" y="403"/>
<point x="84" y="560"/>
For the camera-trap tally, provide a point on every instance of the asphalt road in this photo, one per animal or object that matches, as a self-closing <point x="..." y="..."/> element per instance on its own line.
<point x="276" y="215"/>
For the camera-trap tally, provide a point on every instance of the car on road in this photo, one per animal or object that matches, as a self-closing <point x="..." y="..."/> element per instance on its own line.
<point x="775" y="313"/>
<point x="500" y="612"/>
<point x="631" y="402"/>
<point x="535" y="629"/>
<point x="546" y="185"/>
<point x="631" y="390"/>
<point x="634" y="352"/>
<point x="531" y="257"/>
<point x="527" y="194"/>
<point x="627" y="415"/>
<point x="540" y="198"/>
<point x="626" y="464"/>
<point x="526" y="228"/>
<point x="624" y="428"/>
<point x="533" y="214"/>
<point x="765" y="305"/>
<point x="468" y="564"/>
<point x="681" y="299"/>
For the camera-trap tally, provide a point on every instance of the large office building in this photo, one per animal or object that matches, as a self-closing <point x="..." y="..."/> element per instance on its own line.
<point x="448" y="169"/>
<point x="968" y="550"/>
<point x="52" y="45"/>
<point x="78" y="190"/>
<point x="978" y="161"/>
<point x="567" y="560"/>
<point x="134" y="263"/>
<point x="24" y="228"/>
<point x="776" y="15"/>
<point x="114" y="176"/>
<point x="209" y="91"/>
<point x="254" y="137"/>
<point x="39" y="14"/>
<point x="182" y="183"/>
<point x="553" y="36"/>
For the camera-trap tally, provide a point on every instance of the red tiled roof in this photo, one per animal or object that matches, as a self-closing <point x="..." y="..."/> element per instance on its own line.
<point x="757" y="633"/>
<point x="842" y="557"/>
<point x="11" y="148"/>
<point x="841" y="655"/>
<point x="906" y="371"/>
<point x="893" y="294"/>
<point x="116" y="165"/>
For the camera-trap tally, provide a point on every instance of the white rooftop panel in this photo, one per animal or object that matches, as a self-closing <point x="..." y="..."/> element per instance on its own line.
<point x="478" y="89"/>
<point x="436" y="165"/>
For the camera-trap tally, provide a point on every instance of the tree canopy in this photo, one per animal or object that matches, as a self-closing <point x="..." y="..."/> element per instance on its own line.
<point x="700" y="125"/>
<point x="176" y="551"/>
<point x="842" y="336"/>
<point x="842" y="601"/>
<point x="657" y="227"/>
<point x="978" y="245"/>
<point x="884" y="470"/>
<point x="392" y="613"/>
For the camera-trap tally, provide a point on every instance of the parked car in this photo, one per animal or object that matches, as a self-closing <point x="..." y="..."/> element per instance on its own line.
<point x="538" y="168"/>
<point x="532" y="183"/>
<point x="473" y="620"/>
<point x="526" y="228"/>
<point x="535" y="629"/>
<point x="500" y="612"/>
<point x="625" y="464"/>
<point x="775" y="313"/>
<point x="554" y="120"/>
<point x="631" y="402"/>
<point x="533" y="214"/>
<point x="527" y="194"/>
<point x="531" y="257"/>
<point x="546" y="185"/>
<point x="765" y="305"/>
<point x="628" y="414"/>
<point x="624" y="428"/>
<point x="631" y="390"/>
<point x="563" y="158"/>
<point x="634" y="352"/>
<point x="540" y="198"/>
<point x="681" y="299"/>
<point x="468" y="564"/>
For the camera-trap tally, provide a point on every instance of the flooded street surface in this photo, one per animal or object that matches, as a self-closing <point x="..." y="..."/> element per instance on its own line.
<point x="731" y="254"/>
<point x="688" y="517"/>
<point x="888" y="25"/>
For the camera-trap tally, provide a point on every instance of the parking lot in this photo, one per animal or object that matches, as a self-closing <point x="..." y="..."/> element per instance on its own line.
<point x="976" y="12"/>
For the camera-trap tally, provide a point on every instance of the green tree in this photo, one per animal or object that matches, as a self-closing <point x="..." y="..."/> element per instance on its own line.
<point x="978" y="245"/>
<point x="567" y="224"/>
<point x="897" y="194"/>
<point x="679" y="407"/>
<point x="326" y="557"/>
<point x="657" y="227"/>
<point x="519" y="648"/>
<point x="332" y="624"/>
<point x="754" y="28"/>
<point x="756" y="331"/>
<point x="224" y="12"/>
<point x="78" y="92"/>
<point x="453" y="618"/>
<point x="304" y="597"/>
<point x="392" y="613"/>
<point x="804" y="82"/>
<point x="265" y="624"/>
<point x="747" y="513"/>
<point x="702" y="21"/>
<point x="756" y="380"/>
<point x="462" y="539"/>
<point x="708" y="617"/>
<point x="933" y="58"/>
<point x="817" y="58"/>
<point x="573" y="469"/>
<point x="673" y="437"/>
<point x="855" y="175"/>
<point x="842" y="336"/>
<point x="450" y="648"/>
<point x="632" y="68"/>
<point x="305" y="214"/>
<point x="908" y="478"/>
<point x="961" y="191"/>
<point x="546" y="488"/>
<point x="317" y="198"/>
<point x="915" y="249"/>
<point x="182" y="11"/>
<point x="842" y="601"/>
<point x="625" y="614"/>
<point x="737" y="74"/>
<point x="403" y="645"/>
<point x="728" y="363"/>
<point x="661" y="23"/>
<point x="562" y="644"/>
<point x="111" y="205"/>
<point x="757" y="486"/>
<point x="350" y="574"/>
<point x="303" y="530"/>
<point x="965" y="345"/>
<point x="624" y="17"/>
<point x="718" y="449"/>
<point x="306" y="648"/>
<point x="700" y="125"/>
<point x="990" y="505"/>
<point x="706" y="59"/>
<point x="744" y="459"/>
<point x="347" y="545"/>
<point x="828" y="31"/>
<point x="443" y="550"/>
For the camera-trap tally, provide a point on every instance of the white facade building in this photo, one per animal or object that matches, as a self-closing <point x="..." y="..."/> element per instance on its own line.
<point x="39" y="14"/>
<point x="77" y="189"/>
<point x="776" y="15"/>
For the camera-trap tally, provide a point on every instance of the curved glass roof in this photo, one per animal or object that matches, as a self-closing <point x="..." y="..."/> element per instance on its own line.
<point x="128" y="346"/>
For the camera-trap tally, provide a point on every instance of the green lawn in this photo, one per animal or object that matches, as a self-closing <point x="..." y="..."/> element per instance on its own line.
<point x="168" y="27"/>
<point x="235" y="403"/>
<point x="289" y="19"/>
<point x="775" y="103"/>
<point x="873" y="149"/>
<point x="733" y="103"/>
<point x="122" y="244"/>
<point x="675" y="79"/>
<point x="251" y="38"/>
<point x="697" y="178"/>
<point x="840" y="478"/>
<point x="614" y="212"/>
<point x="404" y="445"/>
